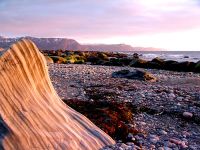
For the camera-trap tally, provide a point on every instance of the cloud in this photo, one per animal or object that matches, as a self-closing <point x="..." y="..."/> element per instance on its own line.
<point x="97" y="19"/>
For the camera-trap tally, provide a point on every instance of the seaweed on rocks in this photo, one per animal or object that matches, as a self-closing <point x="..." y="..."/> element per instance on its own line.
<point x="119" y="59"/>
<point x="96" y="94"/>
<point x="112" y="117"/>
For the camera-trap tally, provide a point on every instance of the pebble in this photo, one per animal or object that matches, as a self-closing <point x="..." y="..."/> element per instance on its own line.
<point x="143" y="123"/>
<point x="183" y="144"/>
<point x="175" y="141"/>
<point x="192" y="147"/>
<point x="170" y="144"/>
<point x="152" y="147"/>
<point x="131" y="137"/>
<point x="179" y="98"/>
<point x="130" y="125"/>
<point x="167" y="148"/>
<point x="163" y="132"/>
<point x="154" y="139"/>
<point x="185" y="134"/>
<point x="161" y="148"/>
<point x="123" y="146"/>
<point x="187" y="115"/>
<point x="171" y="95"/>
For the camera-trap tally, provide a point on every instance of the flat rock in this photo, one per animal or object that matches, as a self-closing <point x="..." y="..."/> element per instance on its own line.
<point x="135" y="74"/>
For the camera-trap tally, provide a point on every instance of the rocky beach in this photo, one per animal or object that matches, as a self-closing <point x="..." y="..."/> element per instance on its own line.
<point x="100" y="75"/>
<point x="165" y="113"/>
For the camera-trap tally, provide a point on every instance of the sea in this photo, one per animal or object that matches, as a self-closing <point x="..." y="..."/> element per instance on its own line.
<point x="180" y="56"/>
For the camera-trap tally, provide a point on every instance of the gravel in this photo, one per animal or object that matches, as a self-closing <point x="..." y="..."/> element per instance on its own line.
<point x="167" y="111"/>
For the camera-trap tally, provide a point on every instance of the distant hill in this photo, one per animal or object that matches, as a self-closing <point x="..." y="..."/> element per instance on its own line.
<point x="44" y="43"/>
<point x="70" y="44"/>
<point x="106" y="47"/>
<point x="118" y="47"/>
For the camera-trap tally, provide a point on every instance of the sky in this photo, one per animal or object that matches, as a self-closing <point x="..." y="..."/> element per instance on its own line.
<point x="168" y="24"/>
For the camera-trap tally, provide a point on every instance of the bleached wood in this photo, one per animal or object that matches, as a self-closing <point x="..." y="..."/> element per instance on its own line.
<point x="35" y="117"/>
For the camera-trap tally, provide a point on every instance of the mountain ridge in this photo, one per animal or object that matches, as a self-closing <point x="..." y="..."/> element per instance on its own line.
<point x="71" y="44"/>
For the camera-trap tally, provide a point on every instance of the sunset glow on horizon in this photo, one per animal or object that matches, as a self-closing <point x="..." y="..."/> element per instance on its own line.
<point x="183" y="41"/>
<point x="170" y="24"/>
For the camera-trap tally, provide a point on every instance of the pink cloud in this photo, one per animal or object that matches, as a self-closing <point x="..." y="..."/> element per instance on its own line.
<point x="96" y="19"/>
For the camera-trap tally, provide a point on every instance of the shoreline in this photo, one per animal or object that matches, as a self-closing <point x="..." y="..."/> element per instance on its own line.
<point x="120" y="59"/>
<point x="180" y="56"/>
<point x="160" y="107"/>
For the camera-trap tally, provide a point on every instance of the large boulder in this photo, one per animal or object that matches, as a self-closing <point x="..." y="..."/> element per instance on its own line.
<point x="115" y="62"/>
<point x="158" y="60"/>
<point x="191" y="66"/>
<point x="75" y="59"/>
<point x="103" y="56"/>
<point x="125" y="61"/>
<point x="197" y="67"/>
<point x="58" y="59"/>
<point x="153" y="65"/>
<point x="157" y="63"/>
<point x="170" y="65"/>
<point x="185" y="66"/>
<point x="179" y="66"/>
<point x="136" y="56"/>
<point x="138" y="63"/>
<point x="135" y="74"/>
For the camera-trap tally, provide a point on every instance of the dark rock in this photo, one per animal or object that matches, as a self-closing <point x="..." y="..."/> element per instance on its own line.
<point x="156" y="63"/>
<point x="93" y="59"/>
<point x="169" y="64"/>
<point x="184" y="66"/>
<point x="191" y="66"/>
<point x="197" y="67"/>
<point x="125" y="61"/>
<point x="115" y="62"/>
<point x="122" y="72"/>
<point x="135" y="56"/>
<point x="153" y="65"/>
<point x="119" y="61"/>
<point x="179" y="66"/>
<point x="116" y="55"/>
<point x="158" y="60"/>
<point x="136" y="74"/>
<point x="138" y="63"/>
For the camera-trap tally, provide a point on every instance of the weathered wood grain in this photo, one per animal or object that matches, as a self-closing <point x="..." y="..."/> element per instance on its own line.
<point x="33" y="115"/>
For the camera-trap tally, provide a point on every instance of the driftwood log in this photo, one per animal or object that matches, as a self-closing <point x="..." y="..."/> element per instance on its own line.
<point x="32" y="114"/>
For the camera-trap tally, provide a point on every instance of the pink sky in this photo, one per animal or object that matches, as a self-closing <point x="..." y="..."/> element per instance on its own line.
<point x="170" y="24"/>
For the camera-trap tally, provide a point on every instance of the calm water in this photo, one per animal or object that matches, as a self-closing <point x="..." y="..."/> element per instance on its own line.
<point x="169" y="55"/>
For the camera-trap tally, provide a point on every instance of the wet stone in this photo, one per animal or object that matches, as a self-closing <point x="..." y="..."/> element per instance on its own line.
<point x="187" y="115"/>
